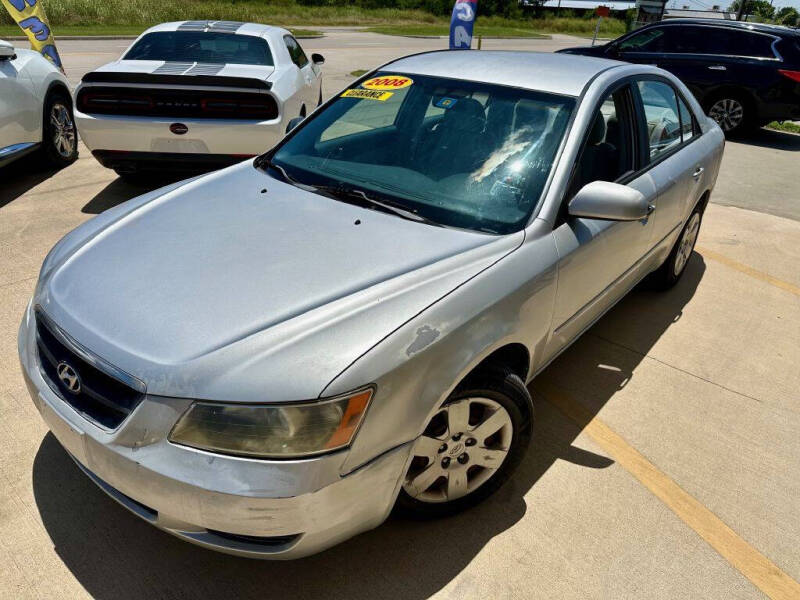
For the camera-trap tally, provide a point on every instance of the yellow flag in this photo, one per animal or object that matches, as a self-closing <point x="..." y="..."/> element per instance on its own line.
<point x="29" y="14"/>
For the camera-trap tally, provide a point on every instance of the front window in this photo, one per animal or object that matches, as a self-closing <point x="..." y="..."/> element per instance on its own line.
<point x="458" y="153"/>
<point x="202" y="47"/>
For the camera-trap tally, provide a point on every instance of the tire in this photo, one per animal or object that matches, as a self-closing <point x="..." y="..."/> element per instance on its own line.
<point x="59" y="134"/>
<point x="732" y="111"/>
<point x="669" y="273"/>
<point x="446" y="474"/>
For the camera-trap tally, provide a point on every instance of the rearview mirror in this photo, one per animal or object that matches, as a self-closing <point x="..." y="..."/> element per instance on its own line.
<point x="294" y="123"/>
<point x="7" y="51"/>
<point x="317" y="59"/>
<point x="609" y="201"/>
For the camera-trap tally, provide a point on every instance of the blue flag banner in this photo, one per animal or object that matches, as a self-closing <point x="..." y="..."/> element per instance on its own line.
<point x="462" y="23"/>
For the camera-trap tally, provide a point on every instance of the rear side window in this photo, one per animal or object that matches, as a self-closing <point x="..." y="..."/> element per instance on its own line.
<point x="661" y="113"/>
<point x="295" y="51"/>
<point x="723" y="41"/>
<point x="650" y="40"/>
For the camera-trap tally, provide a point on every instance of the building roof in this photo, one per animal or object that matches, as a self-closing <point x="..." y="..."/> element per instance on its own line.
<point x="564" y="74"/>
<point x="590" y="4"/>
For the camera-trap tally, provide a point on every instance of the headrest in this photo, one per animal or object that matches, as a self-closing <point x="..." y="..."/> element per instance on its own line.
<point x="597" y="134"/>
<point x="465" y="115"/>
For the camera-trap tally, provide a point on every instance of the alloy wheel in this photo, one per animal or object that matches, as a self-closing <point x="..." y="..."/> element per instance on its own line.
<point x="728" y="113"/>
<point x="462" y="447"/>
<point x="688" y="238"/>
<point x="63" y="130"/>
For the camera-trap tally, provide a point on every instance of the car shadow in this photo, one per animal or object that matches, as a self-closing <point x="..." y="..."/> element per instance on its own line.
<point x="21" y="176"/>
<point x="769" y="138"/>
<point x="113" y="554"/>
<point x="119" y="191"/>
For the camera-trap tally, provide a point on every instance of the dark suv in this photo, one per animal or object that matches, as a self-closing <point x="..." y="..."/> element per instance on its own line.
<point x="743" y="74"/>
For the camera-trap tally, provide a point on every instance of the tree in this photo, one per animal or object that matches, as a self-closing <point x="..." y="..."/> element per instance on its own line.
<point x="759" y="8"/>
<point x="787" y="15"/>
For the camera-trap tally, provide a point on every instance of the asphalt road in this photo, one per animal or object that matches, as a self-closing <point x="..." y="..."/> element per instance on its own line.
<point x="665" y="455"/>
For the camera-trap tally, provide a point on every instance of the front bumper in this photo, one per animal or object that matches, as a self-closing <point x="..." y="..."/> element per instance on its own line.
<point x="204" y="136"/>
<point x="255" y="508"/>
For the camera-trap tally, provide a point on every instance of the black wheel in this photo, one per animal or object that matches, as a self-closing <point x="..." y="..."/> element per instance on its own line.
<point x="470" y="446"/>
<point x="668" y="274"/>
<point x="732" y="111"/>
<point x="60" y="137"/>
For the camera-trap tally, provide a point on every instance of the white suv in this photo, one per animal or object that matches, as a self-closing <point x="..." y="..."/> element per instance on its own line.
<point x="35" y="108"/>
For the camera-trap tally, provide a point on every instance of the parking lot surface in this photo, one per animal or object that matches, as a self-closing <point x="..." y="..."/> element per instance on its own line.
<point x="665" y="456"/>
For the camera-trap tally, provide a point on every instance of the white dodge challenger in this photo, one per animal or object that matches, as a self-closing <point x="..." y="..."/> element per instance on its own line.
<point x="196" y="95"/>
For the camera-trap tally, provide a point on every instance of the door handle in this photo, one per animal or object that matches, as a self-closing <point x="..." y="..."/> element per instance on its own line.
<point x="718" y="67"/>
<point x="697" y="172"/>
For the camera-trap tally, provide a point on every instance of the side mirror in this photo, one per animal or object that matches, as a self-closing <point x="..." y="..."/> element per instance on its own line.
<point x="7" y="51"/>
<point x="294" y="123"/>
<point x="317" y="59"/>
<point x="609" y="201"/>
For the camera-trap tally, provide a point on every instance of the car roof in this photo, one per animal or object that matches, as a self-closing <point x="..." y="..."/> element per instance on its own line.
<point x="746" y="25"/>
<point x="565" y="74"/>
<point x="233" y="27"/>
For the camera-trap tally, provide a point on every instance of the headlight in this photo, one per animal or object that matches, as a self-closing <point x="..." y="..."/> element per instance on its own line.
<point x="272" y="431"/>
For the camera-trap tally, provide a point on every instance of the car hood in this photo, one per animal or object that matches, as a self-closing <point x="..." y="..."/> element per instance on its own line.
<point x="217" y="289"/>
<point x="189" y="69"/>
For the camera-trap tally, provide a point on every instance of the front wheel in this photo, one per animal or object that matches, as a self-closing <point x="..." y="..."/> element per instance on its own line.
<point x="469" y="447"/>
<point x="60" y="138"/>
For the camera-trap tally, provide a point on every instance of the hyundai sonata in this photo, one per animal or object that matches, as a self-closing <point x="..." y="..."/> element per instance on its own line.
<point x="268" y="359"/>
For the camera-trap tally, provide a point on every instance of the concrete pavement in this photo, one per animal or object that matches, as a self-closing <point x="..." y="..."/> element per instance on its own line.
<point x="701" y="382"/>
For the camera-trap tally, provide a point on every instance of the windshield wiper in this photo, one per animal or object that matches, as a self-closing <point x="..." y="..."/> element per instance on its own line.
<point x="346" y="194"/>
<point x="263" y="162"/>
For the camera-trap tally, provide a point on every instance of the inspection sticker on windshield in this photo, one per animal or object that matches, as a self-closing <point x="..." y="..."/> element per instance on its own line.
<point x="387" y="82"/>
<point x="368" y="94"/>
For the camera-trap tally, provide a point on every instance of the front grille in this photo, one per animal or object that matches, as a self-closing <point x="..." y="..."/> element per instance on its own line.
<point x="98" y="396"/>
<point x="177" y="103"/>
<point x="270" y="541"/>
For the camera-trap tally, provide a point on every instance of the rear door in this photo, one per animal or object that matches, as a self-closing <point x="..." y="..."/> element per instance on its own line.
<point x="668" y="130"/>
<point x="708" y="58"/>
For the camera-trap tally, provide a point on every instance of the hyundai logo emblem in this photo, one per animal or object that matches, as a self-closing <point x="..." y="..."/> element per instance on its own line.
<point x="69" y="377"/>
<point x="178" y="128"/>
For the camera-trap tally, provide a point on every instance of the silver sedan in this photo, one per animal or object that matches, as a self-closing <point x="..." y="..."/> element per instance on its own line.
<point x="269" y="359"/>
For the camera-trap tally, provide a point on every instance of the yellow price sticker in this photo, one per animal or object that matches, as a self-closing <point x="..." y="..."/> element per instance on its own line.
<point x="387" y="82"/>
<point x="368" y="95"/>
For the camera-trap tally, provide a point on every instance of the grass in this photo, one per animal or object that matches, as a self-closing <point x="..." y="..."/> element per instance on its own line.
<point x="144" y="13"/>
<point x="499" y="27"/>
<point x="444" y="30"/>
<point x="7" y="31"/>
<point x="128" y="17"/>
<point x="788" y="126"/>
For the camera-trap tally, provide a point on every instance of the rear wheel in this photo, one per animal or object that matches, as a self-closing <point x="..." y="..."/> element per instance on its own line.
<point x="732" y="112"/>
<point x="469" y="447"/>
<point x="60" y="138"/>
<point x="668" y="274"/>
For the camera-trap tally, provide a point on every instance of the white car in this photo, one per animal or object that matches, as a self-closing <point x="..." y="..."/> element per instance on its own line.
<point x="35" y="108"/>
<point x="196" y="95"/>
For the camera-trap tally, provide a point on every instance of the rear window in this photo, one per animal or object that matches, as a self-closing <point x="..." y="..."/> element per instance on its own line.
<point x="202" y="47"/>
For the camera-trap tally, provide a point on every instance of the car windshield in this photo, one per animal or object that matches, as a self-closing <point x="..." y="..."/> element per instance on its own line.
<point x="202" y="47"/>
<point x="458" y="153"/>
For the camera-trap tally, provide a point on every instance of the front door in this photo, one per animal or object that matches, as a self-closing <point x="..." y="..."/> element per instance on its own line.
<point x="600" y="260"/>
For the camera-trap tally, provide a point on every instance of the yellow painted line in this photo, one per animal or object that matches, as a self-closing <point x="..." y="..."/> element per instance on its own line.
<point x="762" y="572"/>
<point x="747" y="270"/>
